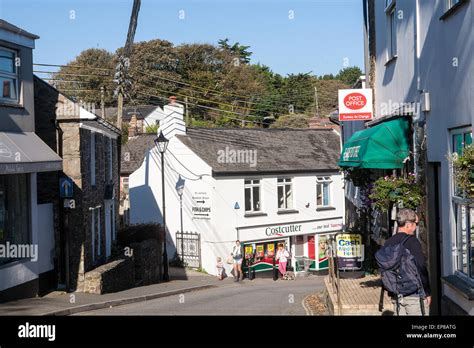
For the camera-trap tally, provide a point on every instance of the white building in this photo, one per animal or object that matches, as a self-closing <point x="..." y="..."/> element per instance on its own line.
<point x="260" y="186"/>
<point x="419" y="63"/>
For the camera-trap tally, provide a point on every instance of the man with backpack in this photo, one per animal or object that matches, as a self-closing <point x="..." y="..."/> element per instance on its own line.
<point x="403" y="268"/>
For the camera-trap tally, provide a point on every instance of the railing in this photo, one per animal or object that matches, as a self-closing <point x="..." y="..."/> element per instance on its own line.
<point x="334" y="278"/>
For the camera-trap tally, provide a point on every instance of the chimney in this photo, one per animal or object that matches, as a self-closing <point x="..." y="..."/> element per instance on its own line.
<point x="173" y="122"/>
<point x="132" y="127"/>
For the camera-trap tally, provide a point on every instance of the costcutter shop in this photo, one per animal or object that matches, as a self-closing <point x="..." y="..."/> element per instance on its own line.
<point x="261" y="186"/>
<point x="307" y="242"/>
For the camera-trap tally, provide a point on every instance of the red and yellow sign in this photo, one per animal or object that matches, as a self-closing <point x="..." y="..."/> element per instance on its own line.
<point x="270" y="250"/>
<point x="260" y="252"/>
<point x="248" y="251"/>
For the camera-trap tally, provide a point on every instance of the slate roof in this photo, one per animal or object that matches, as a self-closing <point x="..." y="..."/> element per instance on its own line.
<point x="136" y="148"/>
<point x="278" y="150"/>
<point x="142" y="111"/>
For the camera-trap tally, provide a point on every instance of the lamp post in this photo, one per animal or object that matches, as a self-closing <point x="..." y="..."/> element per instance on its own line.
<point x="162" y="143"/>
<point x="180" y="190"/>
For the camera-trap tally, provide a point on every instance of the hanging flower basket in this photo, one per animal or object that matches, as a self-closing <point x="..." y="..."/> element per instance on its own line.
<point x="463" y="172"/>
<point x="402" y="192"/>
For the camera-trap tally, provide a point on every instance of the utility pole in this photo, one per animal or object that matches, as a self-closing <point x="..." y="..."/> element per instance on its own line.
<point x="316" y="100"/>
<point x="187" y="111"/>
<point x="123" y="65"/>
<point x="102" y="101"/>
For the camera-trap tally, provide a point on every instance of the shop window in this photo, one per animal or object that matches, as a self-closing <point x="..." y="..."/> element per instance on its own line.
<point x="463" y="212"/>
<point x="8" y="76"/>
<point x="252" y="195"/>
<point x="285" y="193"/>
<point x="14" y="211"/>
<point x="323" y="191"/>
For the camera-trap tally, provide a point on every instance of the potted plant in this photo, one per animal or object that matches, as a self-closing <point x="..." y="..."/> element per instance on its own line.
<point x="404" y="192"/>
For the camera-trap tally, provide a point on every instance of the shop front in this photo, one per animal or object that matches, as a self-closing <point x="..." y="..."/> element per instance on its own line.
<point x="306" y="241"/>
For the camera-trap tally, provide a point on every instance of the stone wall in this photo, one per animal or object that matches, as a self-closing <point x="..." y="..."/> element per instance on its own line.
<point x="115" y="276"/>
<point x="147" y="258"/>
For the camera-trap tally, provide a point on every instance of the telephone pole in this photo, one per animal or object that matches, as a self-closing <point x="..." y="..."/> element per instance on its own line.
<point x="316" y="100"/>
<point x="102" y="101"/>
<point x="187" y="111"/>
<point x="122" y="67"/>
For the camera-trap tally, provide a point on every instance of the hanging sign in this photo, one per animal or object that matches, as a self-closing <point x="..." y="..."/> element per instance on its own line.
<point x="355" y="104"/>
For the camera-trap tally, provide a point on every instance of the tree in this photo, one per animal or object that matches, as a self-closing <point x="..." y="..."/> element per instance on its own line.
<point x="238" y="50"/>
<point x="291" y="121"/>
<point x="349" y="75"/>
<point x="83" y="77"/>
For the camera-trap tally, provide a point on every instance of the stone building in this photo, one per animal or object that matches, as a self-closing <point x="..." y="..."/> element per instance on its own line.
<point x="89" y="146"/>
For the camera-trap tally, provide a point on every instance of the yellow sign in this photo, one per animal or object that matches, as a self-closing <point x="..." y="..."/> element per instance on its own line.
<point x="349" y="245"/>
<point x="260" y="250"/>
<point x="248" y="250"/>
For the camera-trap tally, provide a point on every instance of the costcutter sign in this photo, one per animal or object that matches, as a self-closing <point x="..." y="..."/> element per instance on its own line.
<point x="355" y="104"/>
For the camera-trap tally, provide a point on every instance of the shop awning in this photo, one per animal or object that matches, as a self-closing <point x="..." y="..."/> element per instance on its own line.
<point x="385" y="146"/>
<point x="25" y="152"/>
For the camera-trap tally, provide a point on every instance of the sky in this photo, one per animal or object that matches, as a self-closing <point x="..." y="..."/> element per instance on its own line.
<point x="289" y="36"/>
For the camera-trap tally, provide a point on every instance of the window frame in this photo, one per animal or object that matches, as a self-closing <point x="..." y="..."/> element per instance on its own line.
<point x="322" y="180"/>
<point x="457" y="203"/>
<point x="392" y="47"/>
<point x="93" y="149"/>
<point x="15" y="76"/>
<point x="250" y="186"/>
<point x="284" y="184"/>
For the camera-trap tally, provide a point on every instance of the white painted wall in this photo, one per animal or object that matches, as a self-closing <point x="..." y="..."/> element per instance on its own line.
<point x="156" y="116"/>
<point x="427" y="49"/>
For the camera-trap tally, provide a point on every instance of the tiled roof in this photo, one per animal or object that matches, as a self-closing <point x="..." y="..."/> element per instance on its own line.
<point x="134" y="151"/>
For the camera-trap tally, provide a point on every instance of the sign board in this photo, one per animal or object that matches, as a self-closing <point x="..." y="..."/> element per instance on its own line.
<point x="201" y="207"/>
<point x="349" y="251"/>
<point x="66" y="188"/>
<point x="355" y="104"/>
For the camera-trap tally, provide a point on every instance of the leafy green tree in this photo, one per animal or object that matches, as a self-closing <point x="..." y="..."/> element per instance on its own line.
<point x="349" y="75"/>
<point x="81" y="80"/>
<point x="236" y="49"/>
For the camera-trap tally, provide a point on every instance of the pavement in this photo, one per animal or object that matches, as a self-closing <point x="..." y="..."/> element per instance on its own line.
<point x="62" y="303"/>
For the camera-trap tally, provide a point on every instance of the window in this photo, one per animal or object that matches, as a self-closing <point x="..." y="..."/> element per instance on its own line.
<point x="323" y="191"/>
<point x="463" y="213"/>
<point x="92" y="166"/>
<point x="391" y="32"/>
<point x="285" y="193"/>
<point x="8" y="76"/>
<point x="95" y="233"/>
<point x="252" y="195"/>
<point x="125" y="185"/>
<point x="451" y="3"/>
<point x="14" y="211"/>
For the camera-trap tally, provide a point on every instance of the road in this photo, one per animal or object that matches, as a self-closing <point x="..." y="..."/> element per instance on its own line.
<point x="256" y="297"/>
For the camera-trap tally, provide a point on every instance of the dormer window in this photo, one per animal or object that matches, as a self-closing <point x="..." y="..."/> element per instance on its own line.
<point x="8" y="76"/>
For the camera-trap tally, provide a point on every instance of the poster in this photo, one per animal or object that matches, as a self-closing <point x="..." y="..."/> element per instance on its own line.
<point x="248" y="251"/>
<point x="322" y="247"/>
<point x="259" y="252"/>
<point x="270" y="250"/>
<point x="349" y="251"/>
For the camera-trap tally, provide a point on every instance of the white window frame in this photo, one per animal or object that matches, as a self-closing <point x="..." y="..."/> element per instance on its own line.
<point x="15" y="76"/>
<point x="286" y="181"/>
<point x="392" y="49"/>
<point x="92" y="164"/>
<point x="250" y="186"/>
<point x="457" y="203"/>
<point x="321" y="181"/>
<point x="452" y="3"/>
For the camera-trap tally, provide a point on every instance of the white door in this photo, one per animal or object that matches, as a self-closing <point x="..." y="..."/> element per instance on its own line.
<point x="108" y="227"/>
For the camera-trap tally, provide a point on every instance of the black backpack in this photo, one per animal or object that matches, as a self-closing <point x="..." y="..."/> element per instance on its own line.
<point x="398" y="269"/>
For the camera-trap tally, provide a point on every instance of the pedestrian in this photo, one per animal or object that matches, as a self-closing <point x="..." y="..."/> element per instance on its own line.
<point x="220" y="269"/>
<point x="237" y="255"/>
<point x="282" y="256"/>
<point x="403" y="268"/>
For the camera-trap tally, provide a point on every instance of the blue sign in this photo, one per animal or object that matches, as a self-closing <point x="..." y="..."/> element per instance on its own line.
<point x="66" y="188"/>
<point x="236" y="206"/>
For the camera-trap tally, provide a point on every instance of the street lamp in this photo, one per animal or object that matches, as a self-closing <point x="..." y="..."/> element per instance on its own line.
<point x="180" y="190"/>
<point x="162" y="143"/>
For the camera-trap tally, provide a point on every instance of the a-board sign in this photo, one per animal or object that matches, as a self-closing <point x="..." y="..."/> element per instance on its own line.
<point x="349" y="251"/>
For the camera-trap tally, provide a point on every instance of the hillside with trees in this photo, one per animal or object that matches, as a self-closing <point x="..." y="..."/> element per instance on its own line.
<point x="220" y="84"/>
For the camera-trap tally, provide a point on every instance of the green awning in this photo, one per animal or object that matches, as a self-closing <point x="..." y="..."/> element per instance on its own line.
<point x="385" y="146"/>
